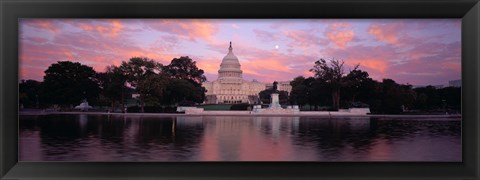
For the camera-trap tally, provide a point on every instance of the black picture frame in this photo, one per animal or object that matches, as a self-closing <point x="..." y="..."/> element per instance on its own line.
<point x="11" y="11"/>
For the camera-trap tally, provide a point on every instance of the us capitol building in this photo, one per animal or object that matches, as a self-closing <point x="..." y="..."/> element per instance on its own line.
<point x="231" y="88"/>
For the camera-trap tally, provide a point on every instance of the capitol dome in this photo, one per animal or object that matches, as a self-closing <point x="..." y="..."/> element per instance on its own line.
<point x="230" y="66"/>
<point x="231" y="88"/>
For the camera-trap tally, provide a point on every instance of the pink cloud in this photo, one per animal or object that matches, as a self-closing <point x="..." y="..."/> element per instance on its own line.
<point x="434" y="52"/>
<point x="438" y="67"/>
<point x="377" y="62"/>
<point x="266" y="64"/>
<point x="45" y="24"/>
<point x="340" y="34"/>
<point x="416" y="73"/>
<point x="104" y="42"/>
<point x="303" y="38"/>
<point x="388" y="33"/>
<point x="95" y="50"/>
<point x="265" y="35"/>
<point x="210" y="65"/>
<point x="189" y="29"/>
<point x="39" y="57"/>
<point x="39" y="40"/>
<point x="307" y="73"/>
<point x="165" y="43"/>
<point x="109" y="27"/>
<point x="454" y="66"/>
<point x="112" y="50"/>
<point x="379" y="65"/>
<point x="86" y="27"/>
<point x="116" y="27"/>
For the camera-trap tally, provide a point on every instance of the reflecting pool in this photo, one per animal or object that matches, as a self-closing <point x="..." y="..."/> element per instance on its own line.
<point x="236" y="138"/>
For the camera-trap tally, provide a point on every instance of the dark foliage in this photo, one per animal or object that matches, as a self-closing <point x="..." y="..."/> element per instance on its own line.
<point x="68" y="83"/>
<point x="29" y="91"/>
<point x="186" y="69"/>
<point x="357" y="89"/>
<point x="241" y="107"/>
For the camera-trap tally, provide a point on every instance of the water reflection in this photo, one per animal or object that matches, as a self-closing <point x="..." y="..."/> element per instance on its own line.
<point x="236" y="138"/>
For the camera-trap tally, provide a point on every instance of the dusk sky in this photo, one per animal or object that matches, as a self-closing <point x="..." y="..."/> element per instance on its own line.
<point x="414" y="51"/>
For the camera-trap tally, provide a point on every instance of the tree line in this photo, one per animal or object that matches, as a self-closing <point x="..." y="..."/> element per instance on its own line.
<point x="332" y="88"/>
<point x="67" y="83"/>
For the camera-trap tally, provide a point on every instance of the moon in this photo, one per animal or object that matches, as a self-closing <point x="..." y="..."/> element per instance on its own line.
<point x="276" y="46"/>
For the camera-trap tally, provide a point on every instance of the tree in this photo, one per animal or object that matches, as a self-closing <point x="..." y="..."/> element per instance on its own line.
<point x="183" y="92"/>
<point x="311" y="92"/>
<point x="395" y="97"/>
<point x="358" y="88"/>
<point x="428" y="98"/>
<point x="112" y="83"/>
<point x="68" y="83"/>
<point x="138" y="71"/>
<point x="182" y="71"/>
<point x="29" y="93"/>
<point x="409" y="96"/>
<point x="186" y="69"/>
<point x="138" y="67"/>
<point x="367" y="92"/>
<point x="298" y="95"/>
<point x="319" y="92"/>
<point x="452" y="97"/>
<point x="153" y="88"/>
<point x="332" y="75"/>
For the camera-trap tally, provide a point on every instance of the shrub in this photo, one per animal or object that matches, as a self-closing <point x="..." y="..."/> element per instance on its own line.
<point x="241" y="107"/>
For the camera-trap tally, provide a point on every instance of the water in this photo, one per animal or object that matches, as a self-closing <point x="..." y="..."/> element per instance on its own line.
<point x="236" y="138"/>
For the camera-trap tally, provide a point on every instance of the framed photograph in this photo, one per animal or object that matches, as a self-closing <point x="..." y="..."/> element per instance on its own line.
<point x="227" y="89"/>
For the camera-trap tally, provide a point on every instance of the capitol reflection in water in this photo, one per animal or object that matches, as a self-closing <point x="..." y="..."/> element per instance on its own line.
<point x="236" y="138"/>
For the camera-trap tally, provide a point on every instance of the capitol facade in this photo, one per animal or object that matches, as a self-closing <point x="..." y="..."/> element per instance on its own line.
<point x="231" y="88"/>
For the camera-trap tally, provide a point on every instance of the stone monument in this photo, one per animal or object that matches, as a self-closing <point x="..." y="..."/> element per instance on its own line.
<point x="275" y="102"/>
<point x="274" y="107"/>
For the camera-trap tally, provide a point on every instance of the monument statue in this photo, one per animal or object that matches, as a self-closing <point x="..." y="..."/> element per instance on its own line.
<point x="275" y="87"/>
<point x="275" y="102"/>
